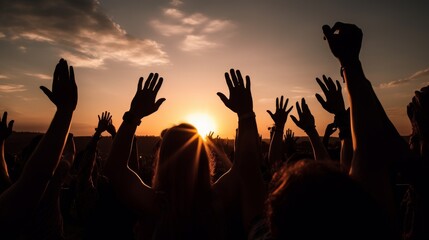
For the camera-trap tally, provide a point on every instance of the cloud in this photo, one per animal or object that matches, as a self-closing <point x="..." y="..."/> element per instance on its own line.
<point x="195" y="19"/>
<point x="194" y="42"/>
<point x="170" y="29"/>
<point x="80" y="29"/>
<point x="416" y="75"/>
<point x="11" y="88"/>
<point x="198" y="31"/>
<point x="39" y="76"/>
<point x="176" y="3"/>
<point x="22" y="49"/>
<point x="172" y="12"/>
<point x="300" y="90"/>
<point x="3" y="77"/>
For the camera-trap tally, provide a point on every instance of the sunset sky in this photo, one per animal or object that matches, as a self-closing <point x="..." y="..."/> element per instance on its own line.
<point x="192" y="43"/>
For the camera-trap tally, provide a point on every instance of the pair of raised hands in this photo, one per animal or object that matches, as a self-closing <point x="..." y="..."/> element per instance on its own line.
<point x="240" y="101"/>
<point x="334" y="104"/>
<point x="105" y="123"/>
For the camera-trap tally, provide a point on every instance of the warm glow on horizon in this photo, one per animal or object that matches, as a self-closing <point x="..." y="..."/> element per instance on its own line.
<point x="203" y="122"/>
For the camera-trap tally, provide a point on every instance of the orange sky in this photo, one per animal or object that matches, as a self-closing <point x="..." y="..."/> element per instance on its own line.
<point x="279" y="44"/>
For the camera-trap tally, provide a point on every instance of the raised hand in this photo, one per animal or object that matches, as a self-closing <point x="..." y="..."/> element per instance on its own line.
<point x="330" y="129"/>
<point x="143" y="103"/>
<point x="344" y="40"/>
<point x="5" y="128"/>
<point x="209" y="136"/>
<point x="111" y="128"/>
<point x="280" y="116"/>
<point x="334" y="98"/>
<point x="240" y="96"/>
<point x="418" y="112"/>
<point x="306" y="119"/>
<point x="290" y="136"/>
<point x="104" y="121"/>
<point x="64" y="89"/>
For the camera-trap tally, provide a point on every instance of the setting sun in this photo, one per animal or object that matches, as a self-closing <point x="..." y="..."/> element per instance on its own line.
<point x="203" y="122"/>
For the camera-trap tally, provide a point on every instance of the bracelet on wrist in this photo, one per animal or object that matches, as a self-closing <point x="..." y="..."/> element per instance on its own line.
<point x="130" y="118"/>
<point x="246" y="115"/>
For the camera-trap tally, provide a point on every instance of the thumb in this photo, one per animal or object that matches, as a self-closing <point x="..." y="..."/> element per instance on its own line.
<point x="294" y="120"/>
<point x="321" y="101"/>
<point x="223" y="98"/>
<point x="271" y="114"/>
<point x="10" y="126"/>
<point x="48" y="93"/>
<point x="159" y="102"/>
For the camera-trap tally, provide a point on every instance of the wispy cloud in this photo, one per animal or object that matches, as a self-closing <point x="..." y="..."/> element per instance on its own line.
<point x="198" y="31"/>
<point x="266" y="100"/>
<point x="80" y="29"/>
<point x="416" y="75"/>
<point x="39" y="76"/>
<point x="22" y="49"/>
<point x="194" y="42"/>
<point x="300" y="90"/>
<point x="3" y="77"/>
<point x="176" y="3"/>
<point x="10" y="88"/>
<point x="170" y="29"/>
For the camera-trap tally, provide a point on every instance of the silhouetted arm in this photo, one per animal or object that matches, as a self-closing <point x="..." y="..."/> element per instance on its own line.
<point x="19" y="201"/>
<point x="134" y="163"/>
<point x="276" y="152"/>
<point x="86" y="167"/>
<point x="334" y="104"/>
<point x="290" y="143"/>
<point x="330" y="129"/>
<point x="245" y="169"/>
<point x="5" y="132"/>
<point x="126" y="183"/>
<point x="376" y="143"/>
<point x="306" y="123"/>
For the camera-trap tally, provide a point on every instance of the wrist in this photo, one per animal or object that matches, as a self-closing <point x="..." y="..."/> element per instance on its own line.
<point x="131" y="118"/>
<point x="352" y="62"/>
<point x="248" y="115"/>
<point x="279" y="128"/>
<point x="98" y="132"/>
<point x="310" y="130"/>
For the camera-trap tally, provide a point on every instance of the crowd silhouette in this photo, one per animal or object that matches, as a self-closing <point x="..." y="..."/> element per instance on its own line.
<point x="369" y="186"/>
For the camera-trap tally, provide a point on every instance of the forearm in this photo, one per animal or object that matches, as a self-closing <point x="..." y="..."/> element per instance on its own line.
<point x="247" y="148"/>
<point x="371" y="127"/>
<point x="319" y="150"/>
<point x="248" y="160"/>
<point x="87" y="164"/>
<point x="275" y="153"/>
<point x="4" y="174"/>
<point x="326" y="140"/>
<point x="133" y="162"/>
<point x="30" y="187"/>
<point x="346" y="154"/>
<point x="41" y="166"/>
<point x="120" y="150"/>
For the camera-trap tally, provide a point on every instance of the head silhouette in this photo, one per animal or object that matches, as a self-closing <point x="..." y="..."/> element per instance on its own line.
<point x="183" y="168"/>
<point x="314" y="200"/>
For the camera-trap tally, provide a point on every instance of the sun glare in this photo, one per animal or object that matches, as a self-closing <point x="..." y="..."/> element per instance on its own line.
<point x="203" y="122"/>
